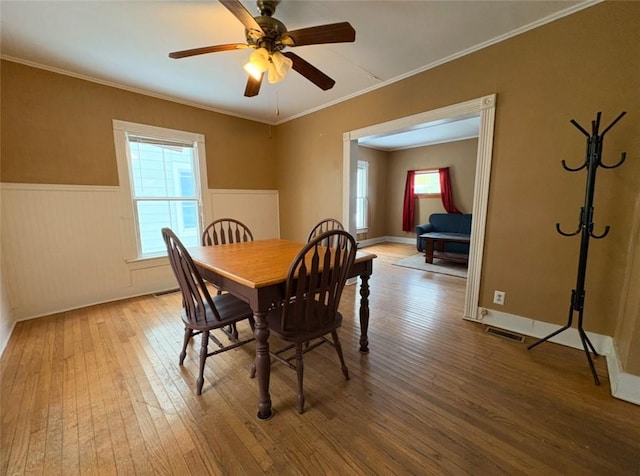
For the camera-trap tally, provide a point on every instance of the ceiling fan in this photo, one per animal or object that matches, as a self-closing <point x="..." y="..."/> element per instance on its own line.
<point x="268" y="37"/>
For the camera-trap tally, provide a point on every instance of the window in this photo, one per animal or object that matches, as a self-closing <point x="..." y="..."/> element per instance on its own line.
<point x="426" y="183"/>
<point x="362" y="200"/>
<point x="161" y="174"/>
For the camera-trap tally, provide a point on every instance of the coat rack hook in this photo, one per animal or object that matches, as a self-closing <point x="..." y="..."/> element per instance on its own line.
<point x="567" y="234"/>
<point x="622" y="157"/>
<point x="580" y="128"/>
<point x="604" y="233"/>
<point x="571" y="169"/>
<point x="613" y="123"/>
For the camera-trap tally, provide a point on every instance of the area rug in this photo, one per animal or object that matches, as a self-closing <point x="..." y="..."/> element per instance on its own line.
<point x="440" y="266"/>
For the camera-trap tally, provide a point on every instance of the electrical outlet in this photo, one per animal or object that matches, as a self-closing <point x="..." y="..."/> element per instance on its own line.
<point x="498" y="297"/>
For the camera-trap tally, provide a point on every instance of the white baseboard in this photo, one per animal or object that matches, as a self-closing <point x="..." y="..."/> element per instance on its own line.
<point x="371" y="241"/>
<point x="5" y="340"/>
<point x="387" y="239"/>
<point x="400" y="239"/>
<point x="624" y="386"/>
<point x="539" y="329"/>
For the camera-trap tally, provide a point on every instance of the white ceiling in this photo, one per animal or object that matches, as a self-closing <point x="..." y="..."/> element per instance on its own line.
<point x="435" y="132"/>
<point x="125" y="44"/>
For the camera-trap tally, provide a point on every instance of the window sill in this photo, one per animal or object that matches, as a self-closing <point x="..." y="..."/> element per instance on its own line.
<point x="150" y="262"/>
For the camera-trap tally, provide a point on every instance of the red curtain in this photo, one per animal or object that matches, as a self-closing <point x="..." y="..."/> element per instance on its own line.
<point x="409" y="204"/>
<point x="445" y="190"/>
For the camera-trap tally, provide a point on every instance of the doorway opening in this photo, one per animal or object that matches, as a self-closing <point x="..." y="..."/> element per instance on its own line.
<point x="484" y="107"/>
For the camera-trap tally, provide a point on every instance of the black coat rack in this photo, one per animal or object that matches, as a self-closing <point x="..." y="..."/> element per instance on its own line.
<point x="592" y="162"/>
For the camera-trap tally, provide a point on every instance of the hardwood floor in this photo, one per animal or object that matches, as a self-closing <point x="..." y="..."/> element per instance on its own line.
<point x="99" y="391"/>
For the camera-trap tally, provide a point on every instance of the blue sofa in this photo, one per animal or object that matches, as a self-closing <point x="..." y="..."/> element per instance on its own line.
<point x="446" y="223"/>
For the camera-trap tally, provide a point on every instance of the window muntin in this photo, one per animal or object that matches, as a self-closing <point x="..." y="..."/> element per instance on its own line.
<point x="426" y="183"/>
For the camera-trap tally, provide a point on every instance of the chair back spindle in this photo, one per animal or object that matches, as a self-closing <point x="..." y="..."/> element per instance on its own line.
<point x="225" y="230"/>
<point x="325" y="225"/>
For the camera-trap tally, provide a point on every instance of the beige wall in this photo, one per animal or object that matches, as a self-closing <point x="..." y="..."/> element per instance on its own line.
<point x="571" y="68"/>
<point x="377" y="191"/>
<point x="459" y="156"/>
<point x="58" y="130"/>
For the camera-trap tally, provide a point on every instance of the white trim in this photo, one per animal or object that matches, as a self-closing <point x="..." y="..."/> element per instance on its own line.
<point x="58" y="187"/>
<point x="123" y="297"/>
<point x="484" y="107"/>
<point x="3" y="345"/>
<point x="239" y="191"/>
<point x="401" y="239"/>
<point x="364" y="165"/>
<point x="624" y="386"/>
<point x="539" y="329"/>
<point x="480" y="205"/>
<point x="371" y="241"/>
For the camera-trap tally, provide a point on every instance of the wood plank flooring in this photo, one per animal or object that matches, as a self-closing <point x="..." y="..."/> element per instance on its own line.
<point x="99" y="391"/>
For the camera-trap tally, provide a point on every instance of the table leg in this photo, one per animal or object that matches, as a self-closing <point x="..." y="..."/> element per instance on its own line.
<point x="428" y="253"/>
<point x="364" y="313"/>
<point x="263" y="365"/>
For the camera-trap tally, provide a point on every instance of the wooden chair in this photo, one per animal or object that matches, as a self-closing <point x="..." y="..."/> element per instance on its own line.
<point x="221" y="232"/>
<point x="324" y="225"/>
<point x="225" y="230"/>
<point x="309" y="310"/>
<point x="202" y="313"/>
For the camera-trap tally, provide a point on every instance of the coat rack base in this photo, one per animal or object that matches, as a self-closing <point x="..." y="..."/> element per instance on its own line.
<point x="586" y="343"/>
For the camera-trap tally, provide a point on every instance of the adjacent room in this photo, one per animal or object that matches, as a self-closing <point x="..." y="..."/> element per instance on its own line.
<point x="471" y="292"/>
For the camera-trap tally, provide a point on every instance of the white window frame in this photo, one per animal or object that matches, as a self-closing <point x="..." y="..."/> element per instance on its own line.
<point x="435" y="172"/>
<point x="363" y="165"/>
<point x="129" y="230"/>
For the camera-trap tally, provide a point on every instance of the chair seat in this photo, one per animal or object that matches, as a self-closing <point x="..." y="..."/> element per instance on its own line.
<point x="230" y="309"/>
<point x="274" y="318"/>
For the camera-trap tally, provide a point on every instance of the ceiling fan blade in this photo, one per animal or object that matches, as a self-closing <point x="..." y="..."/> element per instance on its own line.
<point x="242" y="14"/>
<point x="315" y="35"/>
<point x="207" y="49"/>
<point x="253" y="86"/>
<point x="310" y="72"/>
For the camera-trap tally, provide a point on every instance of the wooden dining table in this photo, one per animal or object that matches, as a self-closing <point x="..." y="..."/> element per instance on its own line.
<point x="256" y="272"/>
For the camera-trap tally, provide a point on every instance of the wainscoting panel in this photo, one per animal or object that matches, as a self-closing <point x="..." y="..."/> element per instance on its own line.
<point x="258" y="209"/>
<point x="61" y="248"/>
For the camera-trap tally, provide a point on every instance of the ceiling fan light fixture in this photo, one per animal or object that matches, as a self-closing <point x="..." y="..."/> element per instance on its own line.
<point x="258" y="63"/>
<point x="278" y="68"/>
<point x="267" y="35"/>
